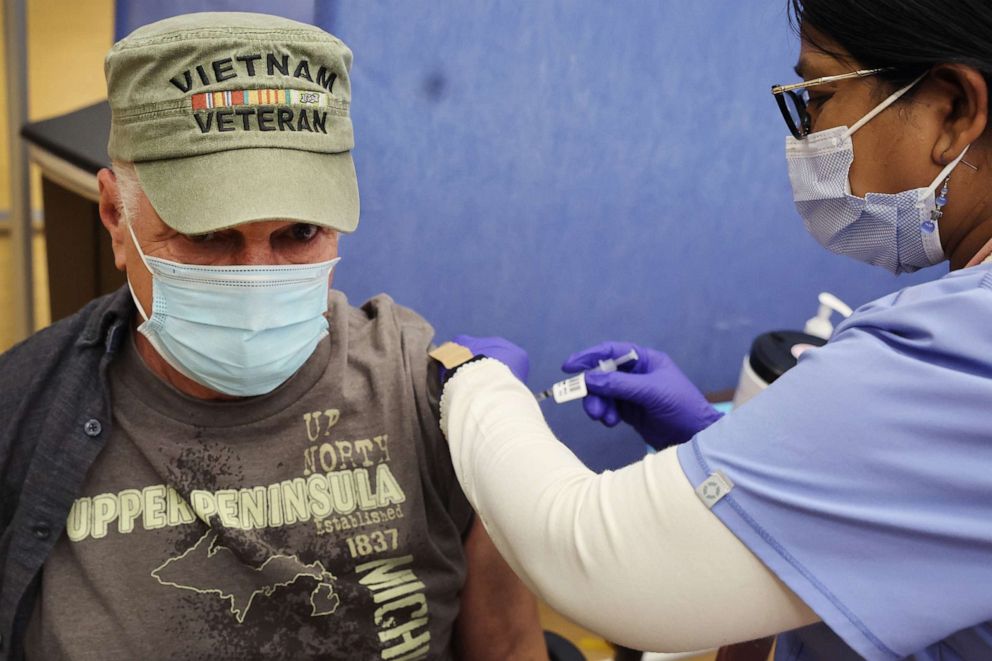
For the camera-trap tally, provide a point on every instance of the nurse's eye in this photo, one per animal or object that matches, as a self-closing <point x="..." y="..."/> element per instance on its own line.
<point x="817" y="99"/>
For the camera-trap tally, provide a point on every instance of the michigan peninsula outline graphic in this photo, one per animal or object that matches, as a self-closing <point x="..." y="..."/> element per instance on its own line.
<point x="210" y="568"/>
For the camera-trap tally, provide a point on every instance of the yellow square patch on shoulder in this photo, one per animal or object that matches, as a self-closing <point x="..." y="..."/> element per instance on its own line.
<point x="450" y="355"/>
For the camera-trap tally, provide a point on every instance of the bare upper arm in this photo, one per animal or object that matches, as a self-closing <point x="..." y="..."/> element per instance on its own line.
<point x="498" y="618"/>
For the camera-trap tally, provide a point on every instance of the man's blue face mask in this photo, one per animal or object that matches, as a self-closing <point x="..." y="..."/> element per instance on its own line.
<point x="239" y="330"/>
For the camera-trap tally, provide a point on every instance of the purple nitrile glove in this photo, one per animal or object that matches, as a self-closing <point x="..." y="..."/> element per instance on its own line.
<point x="499" y="349"/>
<point x="652" y="394"/>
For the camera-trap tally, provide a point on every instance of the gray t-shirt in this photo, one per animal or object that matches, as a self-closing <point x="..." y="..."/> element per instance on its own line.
<point x="322" y="520"/>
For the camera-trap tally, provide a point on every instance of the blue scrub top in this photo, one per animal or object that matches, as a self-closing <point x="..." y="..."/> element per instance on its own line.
<point x="863" y="478"/>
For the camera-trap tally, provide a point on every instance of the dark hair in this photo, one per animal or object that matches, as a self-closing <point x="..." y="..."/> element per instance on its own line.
<point x="909" y="35"/>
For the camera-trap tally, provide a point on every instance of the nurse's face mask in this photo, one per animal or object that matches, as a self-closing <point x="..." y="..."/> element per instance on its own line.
<point x="239" y="330"/>
<point x="897" y="231"/>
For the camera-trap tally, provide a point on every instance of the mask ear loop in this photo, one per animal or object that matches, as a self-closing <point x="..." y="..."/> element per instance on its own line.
<point x="892" y="98"/>
<point x="141" y="253"/>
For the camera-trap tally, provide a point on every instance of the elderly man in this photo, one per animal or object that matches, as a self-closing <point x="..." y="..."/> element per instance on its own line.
<point x="225" y="460"/>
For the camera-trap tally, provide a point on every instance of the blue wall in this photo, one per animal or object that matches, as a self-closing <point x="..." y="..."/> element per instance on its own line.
<point x="566" y="172"/>
<point x="131" y="14"/>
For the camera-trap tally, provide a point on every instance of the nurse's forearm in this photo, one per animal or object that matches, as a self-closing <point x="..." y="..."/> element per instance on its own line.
<point x="631" y="554"/>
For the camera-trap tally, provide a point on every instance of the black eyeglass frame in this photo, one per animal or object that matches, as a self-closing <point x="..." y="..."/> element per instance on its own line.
<point x="779" y="91"/>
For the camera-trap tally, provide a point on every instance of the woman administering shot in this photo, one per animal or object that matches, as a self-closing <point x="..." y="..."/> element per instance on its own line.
<point x="848" y="507"/>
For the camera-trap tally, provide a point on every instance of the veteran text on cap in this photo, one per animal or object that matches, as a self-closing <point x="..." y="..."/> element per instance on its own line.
<point x="235" y="117"/>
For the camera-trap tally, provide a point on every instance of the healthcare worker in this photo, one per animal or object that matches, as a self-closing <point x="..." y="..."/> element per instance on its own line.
<point x="850" y="504"/>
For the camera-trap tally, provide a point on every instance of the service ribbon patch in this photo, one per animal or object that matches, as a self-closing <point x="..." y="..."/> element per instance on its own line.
<point x="269" y="97"/>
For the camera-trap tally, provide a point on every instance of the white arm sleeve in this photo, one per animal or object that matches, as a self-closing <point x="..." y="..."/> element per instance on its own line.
<point x="631" y="554"/>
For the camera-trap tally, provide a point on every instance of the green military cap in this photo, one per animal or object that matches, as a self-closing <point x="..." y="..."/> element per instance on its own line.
<point x="234" y="117"/>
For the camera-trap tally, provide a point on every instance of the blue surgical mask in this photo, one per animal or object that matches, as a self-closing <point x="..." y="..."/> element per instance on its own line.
<point x="239" y="330"/>
<point x="897" y="231"/>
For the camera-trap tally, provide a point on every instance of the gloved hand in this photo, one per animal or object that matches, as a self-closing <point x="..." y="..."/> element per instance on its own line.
<point x="653" y="396"/>
<point x="499" y="349"/>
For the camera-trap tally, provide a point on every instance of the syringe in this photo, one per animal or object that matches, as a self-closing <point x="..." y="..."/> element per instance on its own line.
<point x="575" y="387"/>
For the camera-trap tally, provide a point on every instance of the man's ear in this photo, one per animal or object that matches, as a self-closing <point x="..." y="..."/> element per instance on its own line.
<point x="110" y="214"/>
<point x="964" y="96"/>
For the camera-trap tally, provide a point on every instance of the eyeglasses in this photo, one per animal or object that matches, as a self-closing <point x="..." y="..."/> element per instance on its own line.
<point x="793" y="103"/>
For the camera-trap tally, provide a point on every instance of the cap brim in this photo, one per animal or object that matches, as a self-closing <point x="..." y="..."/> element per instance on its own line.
<point x="215" y="191"/>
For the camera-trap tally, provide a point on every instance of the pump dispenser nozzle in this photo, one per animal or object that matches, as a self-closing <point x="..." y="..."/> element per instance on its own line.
<point x="820" y="325"/>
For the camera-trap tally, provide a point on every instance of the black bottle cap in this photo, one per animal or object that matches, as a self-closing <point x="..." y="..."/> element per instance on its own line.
<point x="772" y="353"/>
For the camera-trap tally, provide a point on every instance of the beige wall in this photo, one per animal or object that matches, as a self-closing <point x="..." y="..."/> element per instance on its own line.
<point x="67" y="40"/>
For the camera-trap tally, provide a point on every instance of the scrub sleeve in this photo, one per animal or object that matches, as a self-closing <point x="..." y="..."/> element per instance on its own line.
<point x="863" y="477"/>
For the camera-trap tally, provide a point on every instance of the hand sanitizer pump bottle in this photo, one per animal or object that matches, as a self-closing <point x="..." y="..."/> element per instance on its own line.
<point x="774" y="353"/>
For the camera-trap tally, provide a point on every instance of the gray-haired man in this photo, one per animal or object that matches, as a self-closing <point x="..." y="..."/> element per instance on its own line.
<point x="226" y="460"/>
